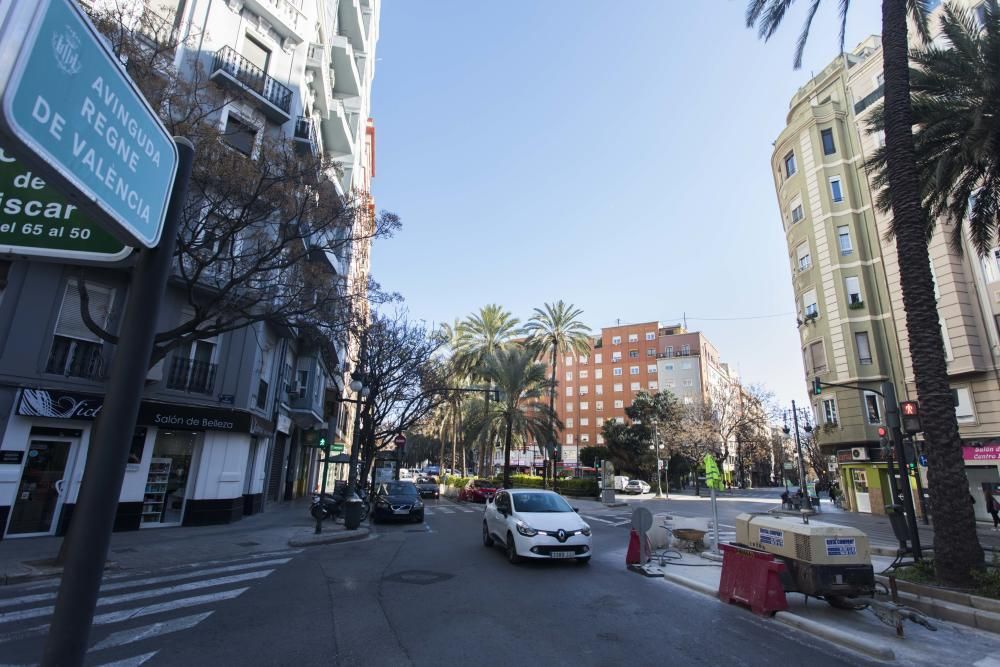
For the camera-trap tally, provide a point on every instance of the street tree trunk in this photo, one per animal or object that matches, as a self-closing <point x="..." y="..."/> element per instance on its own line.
<point x="552" y="413"/>
<point x="506" y="449"/>
<point x="454" y="435"/>
<point x="956" y="547"/>
<point x="441" y="433"/>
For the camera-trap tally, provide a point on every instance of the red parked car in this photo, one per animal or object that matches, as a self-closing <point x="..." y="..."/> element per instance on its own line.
<point x="478" y="491"/>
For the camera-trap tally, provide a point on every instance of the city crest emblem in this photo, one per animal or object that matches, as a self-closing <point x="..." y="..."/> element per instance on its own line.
<point x="64" y="47"/>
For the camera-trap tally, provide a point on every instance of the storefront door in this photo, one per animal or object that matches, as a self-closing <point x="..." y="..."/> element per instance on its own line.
<point x="169" y="481"/>
<point x="862" y="500"/>
<point x="40" y="493"/>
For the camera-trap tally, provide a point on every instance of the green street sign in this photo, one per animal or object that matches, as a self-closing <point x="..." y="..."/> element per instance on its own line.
<point x="337" y="448"/>
<point x="37" y="221"/>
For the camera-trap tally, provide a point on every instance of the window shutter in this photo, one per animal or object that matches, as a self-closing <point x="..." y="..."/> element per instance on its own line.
<point x="71" y="322"/>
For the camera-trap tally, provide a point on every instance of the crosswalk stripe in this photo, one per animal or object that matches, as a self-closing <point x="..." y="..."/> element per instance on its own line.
<point x="159" y="608"/>
<point x="134" y="661"/>
<point x="140" y="595"/>
<point x="132" y="635"/>
<point x="445" y="510"/>
<point x="40" y="597"/>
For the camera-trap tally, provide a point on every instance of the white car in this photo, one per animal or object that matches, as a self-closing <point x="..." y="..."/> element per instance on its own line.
<point x="533" y="523"/>
<point x="636" y="486"/>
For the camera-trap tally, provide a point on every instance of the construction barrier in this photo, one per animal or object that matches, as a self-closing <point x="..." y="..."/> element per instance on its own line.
<point x="752" y="578"/>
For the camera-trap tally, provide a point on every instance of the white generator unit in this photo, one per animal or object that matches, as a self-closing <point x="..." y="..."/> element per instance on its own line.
<point x="821" y="559"/>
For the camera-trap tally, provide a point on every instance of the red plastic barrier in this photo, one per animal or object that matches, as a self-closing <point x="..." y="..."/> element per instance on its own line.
<point x="634" y="554"/>
<point x="752" y="578"/>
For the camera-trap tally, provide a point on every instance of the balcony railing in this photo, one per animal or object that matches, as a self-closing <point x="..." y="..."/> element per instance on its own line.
<point x="157" y="30"/>
<point x="196" y="377"/>
<point x="305" y="129"/>
<point x="253" y="77"/>
<point x="869" y="99"/>
<point x="72" y="357"/>
<point x="675" y="353"/>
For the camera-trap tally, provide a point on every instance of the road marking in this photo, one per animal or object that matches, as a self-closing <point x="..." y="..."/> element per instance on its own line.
<point x="132" y="635"/>
<point x="445" y="510"/>
<point x="140" y="595"/>
<point x="138" y="612"/>
<point x="596" y="518"/>
<point x="40" y="597"/>
<point x="130" y="662"/>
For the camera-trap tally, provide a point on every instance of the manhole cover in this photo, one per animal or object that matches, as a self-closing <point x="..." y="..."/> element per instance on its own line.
<point x="418" y="577"/>
<point x="247" y="544"/>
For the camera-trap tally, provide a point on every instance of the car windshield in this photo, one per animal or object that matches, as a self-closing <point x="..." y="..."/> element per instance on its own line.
<point x="540" y="502"/>
<point x="482" y="484"/>
<point x="399" y="489"/>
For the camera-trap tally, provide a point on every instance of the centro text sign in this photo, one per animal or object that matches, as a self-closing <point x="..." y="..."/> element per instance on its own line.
<point x="70" y="108"/>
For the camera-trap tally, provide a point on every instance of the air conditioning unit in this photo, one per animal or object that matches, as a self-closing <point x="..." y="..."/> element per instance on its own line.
<point x="859" y="453"/>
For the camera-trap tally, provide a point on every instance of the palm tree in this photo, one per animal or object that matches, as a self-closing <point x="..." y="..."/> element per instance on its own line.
<point x="956" y="547"/>
<point x="479" y="336"/>
<point x="521" y="381"/>
<point x="553" y="331"/>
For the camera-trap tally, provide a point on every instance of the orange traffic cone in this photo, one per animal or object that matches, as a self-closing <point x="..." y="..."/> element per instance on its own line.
<point x="634" y="555"/>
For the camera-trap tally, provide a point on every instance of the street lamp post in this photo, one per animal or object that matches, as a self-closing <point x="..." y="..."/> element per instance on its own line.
<point x="656" y="449"/>
<point x="352" y="503"/>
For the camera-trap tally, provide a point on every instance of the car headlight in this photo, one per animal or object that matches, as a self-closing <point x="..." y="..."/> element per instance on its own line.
<point x="585" y="531"/>
<point x="525" y="529"/>
<point x="418" y="504"/>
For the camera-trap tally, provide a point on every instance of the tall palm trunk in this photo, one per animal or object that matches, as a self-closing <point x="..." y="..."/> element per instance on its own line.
<point x="552" y="412"/>
<point x="956" y="546"/>
<point x="454" y="434"/>
<point x="441" y="433"/>
<point x="506" y="447"/>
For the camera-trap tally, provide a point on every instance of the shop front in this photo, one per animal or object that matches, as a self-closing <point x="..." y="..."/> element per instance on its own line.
<point x="982" y="468"/>
<point x="187" y="465"/>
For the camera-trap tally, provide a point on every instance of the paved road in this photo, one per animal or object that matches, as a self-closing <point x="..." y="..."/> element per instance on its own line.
<point x="414" y="595"/>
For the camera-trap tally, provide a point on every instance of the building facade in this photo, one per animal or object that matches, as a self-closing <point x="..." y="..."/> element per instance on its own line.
<point x="224" y="423"/>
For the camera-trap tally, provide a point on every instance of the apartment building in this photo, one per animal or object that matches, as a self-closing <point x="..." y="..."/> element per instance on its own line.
<point x="224" y="423"/>
<point x="846" y="280"/>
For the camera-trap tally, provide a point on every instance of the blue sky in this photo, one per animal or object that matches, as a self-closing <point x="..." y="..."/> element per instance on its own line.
<point x="611" y="154"/>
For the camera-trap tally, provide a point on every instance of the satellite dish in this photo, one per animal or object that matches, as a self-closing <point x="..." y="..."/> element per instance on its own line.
<point x="642" y="519"/>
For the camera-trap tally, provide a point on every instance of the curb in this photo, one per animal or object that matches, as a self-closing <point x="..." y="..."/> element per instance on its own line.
<point x="312" y="540"/>
<point x="838" y="637"/>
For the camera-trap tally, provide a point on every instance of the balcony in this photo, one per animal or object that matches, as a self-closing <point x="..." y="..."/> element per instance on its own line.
<point x="346" y="81"/>
<point x="156" y="31"/>
<point x="72" y="357"/>
<point x="869" y="99"/>
<point x="337" y="136"/>
<point x="674" y="354"/>
<point x="305" y="131"/>
<point x="192" y="376"/>
<point x="237" y="72"/>
<point x="285" y="16"/>
<point x="351" y="25"/>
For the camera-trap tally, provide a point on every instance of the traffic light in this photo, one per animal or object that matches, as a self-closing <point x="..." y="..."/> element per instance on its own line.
<point x="911" y="416"/>
<point x="322" y="443"/>
<point x="817" y="386"/>
<point x="883" y="440"/>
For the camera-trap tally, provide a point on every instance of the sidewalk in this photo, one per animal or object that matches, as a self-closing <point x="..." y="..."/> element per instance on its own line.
<point x="154" y="548"/>
<point x="858" y="630"/>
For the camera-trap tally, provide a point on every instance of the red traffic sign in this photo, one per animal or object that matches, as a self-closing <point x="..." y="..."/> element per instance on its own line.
<point x="399" y="440"/>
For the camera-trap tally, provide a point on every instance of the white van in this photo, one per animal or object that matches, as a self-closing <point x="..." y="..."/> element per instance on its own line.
<point x="405" y="473"/>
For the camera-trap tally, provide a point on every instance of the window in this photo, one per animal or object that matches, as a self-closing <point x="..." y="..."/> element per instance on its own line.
<point x="618" y="387"/>
<point x="964" y="412"/>
<point x="829" y="411"/>
<point x="688" y="382"/>
<point x="817" y="357"/>
<point x="569" y="406"/>
<point x="598" y="373"/>
<point x="633" y="354"/>
<point x="650" y="368"/>
<point x="872" y="410"/>
<point x="256" y="53"/>
<point x="633" y="370"/>
<point x="669" y="351"/>
<point x="619" y="404"/>
<point x="600" y="438"/>
<point x="654" y="385"/>
<point x="809" y="305"/>
<point x="685" y="350"/>
<point x="569" y="422"/>
<point x="685" y="365"/>
<point x="844" y="240"/>
<point x="584" y="390"/>
<point x="583" y="374"/>
<point x="616" y="357"/>
<point x="584" y="438"/>
<point x="599" y="406"/>
<point x="616" y="340"/>
<point x="264" y="365"/>
<point x="617" y="370"/>
<point x="668" y="368"/>
<point x="569" y="438"/>
<point x="880" y="138"/>
<point x="240" y="136"/>
<point x="569" y="360"/>
<point x="853" y="285"/>
<point x="864" y="349"/>
<point x="669" y="384"/>
<point x="796" y="210"/>
<point x="584" y="405"/>
<point x="598" y="389"/>
<point x="650" y="351"/>
<point x="569" y="391"/>
<point x="598" y="358"/>
<point x="805" y="258"/>
<point x="790" y="164"/>
<point x="584" y="421"/>
<point x="836" y="192"/>
<point x="635" y="386"/>
<point x="76" y="351"/>
<point x="828" y="146"/>
<point x="569" y="376"/>
<point x="633" y="338"/>
<point x="584" y="358"/>
<point x="650" y="335"/>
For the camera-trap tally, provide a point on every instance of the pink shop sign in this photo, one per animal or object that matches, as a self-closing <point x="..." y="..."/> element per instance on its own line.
<point x="987" y="453"/>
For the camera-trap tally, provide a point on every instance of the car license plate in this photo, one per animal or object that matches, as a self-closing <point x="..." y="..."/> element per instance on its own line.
<point x="401" y="511"/>
<point x="563" y="554"/>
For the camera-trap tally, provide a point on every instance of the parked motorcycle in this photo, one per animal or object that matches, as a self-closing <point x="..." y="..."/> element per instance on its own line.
<point x="332" y="506"/>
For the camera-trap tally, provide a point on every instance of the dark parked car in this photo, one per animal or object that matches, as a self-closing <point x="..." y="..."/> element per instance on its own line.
<point x="397" y="500"/>
<point x="478" y="491"/>
<point x="428" y="487"/>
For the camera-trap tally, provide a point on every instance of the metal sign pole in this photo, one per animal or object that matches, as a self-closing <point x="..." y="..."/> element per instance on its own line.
<point x="715" y="521"/>
<point x="89" y="533"/>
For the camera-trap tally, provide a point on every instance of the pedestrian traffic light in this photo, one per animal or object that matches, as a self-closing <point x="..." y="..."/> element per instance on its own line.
<point x="322" y="443"/>
<point x="883" y="439"/>
<point x="817" y="386"/>
<point x="911" y="416"/>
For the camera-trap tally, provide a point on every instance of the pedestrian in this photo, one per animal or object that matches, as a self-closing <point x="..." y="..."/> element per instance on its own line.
<point x="993" y="507"/>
